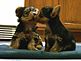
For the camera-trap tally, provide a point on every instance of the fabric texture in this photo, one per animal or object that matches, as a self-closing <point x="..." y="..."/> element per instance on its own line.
<point x="7" y="52"/>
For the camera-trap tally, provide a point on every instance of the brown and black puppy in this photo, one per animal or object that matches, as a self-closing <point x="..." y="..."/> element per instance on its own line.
<point x="26" y="36"/>
<point x="57" y="37"/>
<point x="29" y="20"/>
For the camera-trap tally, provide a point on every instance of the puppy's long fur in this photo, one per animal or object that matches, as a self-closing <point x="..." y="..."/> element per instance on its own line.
<point x="25" y="37"/>
<point x="58" y="38"/>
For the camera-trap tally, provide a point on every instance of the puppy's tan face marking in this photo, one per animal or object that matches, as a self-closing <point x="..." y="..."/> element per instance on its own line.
<point x="26" y="15"/>
<point x="45" y="13"/>
<point x="29" y="14"/>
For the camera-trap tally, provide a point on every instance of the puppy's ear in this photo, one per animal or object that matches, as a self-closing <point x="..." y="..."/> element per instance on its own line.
<point x="19" y="11"/>
<point x="55" y="11"/>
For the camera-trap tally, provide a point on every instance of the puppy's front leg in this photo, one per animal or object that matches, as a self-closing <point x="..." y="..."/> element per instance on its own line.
<point x="56" y="47"/>
<point x="31" y="45"/>
<point x="15" y="43"/>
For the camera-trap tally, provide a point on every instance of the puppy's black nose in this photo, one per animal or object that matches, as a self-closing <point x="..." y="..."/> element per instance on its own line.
<point x="34" y="13"/>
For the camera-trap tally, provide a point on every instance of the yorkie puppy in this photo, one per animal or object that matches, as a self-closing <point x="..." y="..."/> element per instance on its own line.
<point x="26" y="36"/>
<point x="57" y="37"/>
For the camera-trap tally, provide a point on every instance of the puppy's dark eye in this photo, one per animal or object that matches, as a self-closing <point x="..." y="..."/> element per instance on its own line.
<point x="41" y="15"/>
<point x="26" y="13"/>
<point x="34" y="10"/>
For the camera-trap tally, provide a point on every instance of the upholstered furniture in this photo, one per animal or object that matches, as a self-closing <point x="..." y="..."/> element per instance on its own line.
<point x="7" y="52"/>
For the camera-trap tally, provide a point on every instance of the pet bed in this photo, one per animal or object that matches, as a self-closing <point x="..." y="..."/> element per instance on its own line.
<point x="7" y="52"/>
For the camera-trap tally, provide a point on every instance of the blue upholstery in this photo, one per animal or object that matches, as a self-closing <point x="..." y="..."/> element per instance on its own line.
<point x="7" y="52"/>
